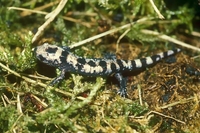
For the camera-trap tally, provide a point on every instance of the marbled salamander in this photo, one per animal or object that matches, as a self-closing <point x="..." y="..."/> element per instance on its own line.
<point x="65" y="61"/>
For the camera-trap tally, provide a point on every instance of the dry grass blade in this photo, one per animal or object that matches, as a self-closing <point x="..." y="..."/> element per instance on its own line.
<point x="50" y="17"/>
<point x="170" y="39"/>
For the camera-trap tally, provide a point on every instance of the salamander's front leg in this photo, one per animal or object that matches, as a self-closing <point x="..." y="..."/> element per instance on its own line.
<point x="122" y="82"/>
<point x="58" y="78"/>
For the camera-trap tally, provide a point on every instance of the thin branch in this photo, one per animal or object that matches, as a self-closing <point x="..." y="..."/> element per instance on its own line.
<point x="170" y="39"/>
<point x="45" y="13"/>
<point x="166" y="116"/>
<point x="50" y="17"/>
<point x="38" y="83"/>
<point x="119" y="39"/>
<point x="178" y="102"/>
<point x="19" y="107"/>
<point x="140" y="94"/>
<point x="156" y="10"/>
<point x="42" y="7"/>
<point x="108" y="32"/>
<point x="27" y="10"/>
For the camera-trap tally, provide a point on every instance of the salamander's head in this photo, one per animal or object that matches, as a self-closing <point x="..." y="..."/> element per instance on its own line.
<point x="49" y="54"/>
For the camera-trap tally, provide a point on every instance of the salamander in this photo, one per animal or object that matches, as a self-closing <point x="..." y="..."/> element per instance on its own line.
<point x="61" y="58"/>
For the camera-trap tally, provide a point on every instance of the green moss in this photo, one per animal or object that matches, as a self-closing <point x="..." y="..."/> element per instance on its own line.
<point x="78" y="103"/>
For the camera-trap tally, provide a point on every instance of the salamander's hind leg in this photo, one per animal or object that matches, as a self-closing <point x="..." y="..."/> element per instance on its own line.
<point x="122" y="82"/>
<point x="58" y="78"/>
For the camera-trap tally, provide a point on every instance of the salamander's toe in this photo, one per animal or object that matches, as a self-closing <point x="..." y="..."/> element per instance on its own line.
<point x="123" y="93"/>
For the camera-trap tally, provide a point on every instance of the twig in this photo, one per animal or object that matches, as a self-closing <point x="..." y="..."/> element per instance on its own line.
<point x="28" y="10"/>
<point x="140" y="94"/>
<point x="38" y="83"/>
<point x="119" y="39"/>
<point x="176" y="103"/>
<point x="166" y="116"/>
<point x="114" y="130"/>
<point x="41" y="102"/>
<point x="50" y="17"/>
<point x="194" y="33"/>
<point x="156" y="10"/>
<point x="107" y="33"/>
<point x="19" y="107"/>
<point x="43" y="7"/>
<point x="45" y="13"/>
<point x="4" y="102"/>
<point x="23" y="77"/>
<point x="15" y="123"/>
<point x="168" y="38"/>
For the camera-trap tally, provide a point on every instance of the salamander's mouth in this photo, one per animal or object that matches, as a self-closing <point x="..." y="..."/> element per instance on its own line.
<point x="41" y="58"/>
<point x="34" y="50"/>
<point x="38" y="56"/>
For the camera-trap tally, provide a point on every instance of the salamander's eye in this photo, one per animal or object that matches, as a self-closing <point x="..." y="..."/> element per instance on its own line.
<point x="51" y="50"/>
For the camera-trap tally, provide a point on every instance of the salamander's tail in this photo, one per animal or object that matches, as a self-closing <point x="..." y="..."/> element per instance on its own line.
<point x="148" y="61"/>
<point x="136" y="64"/>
